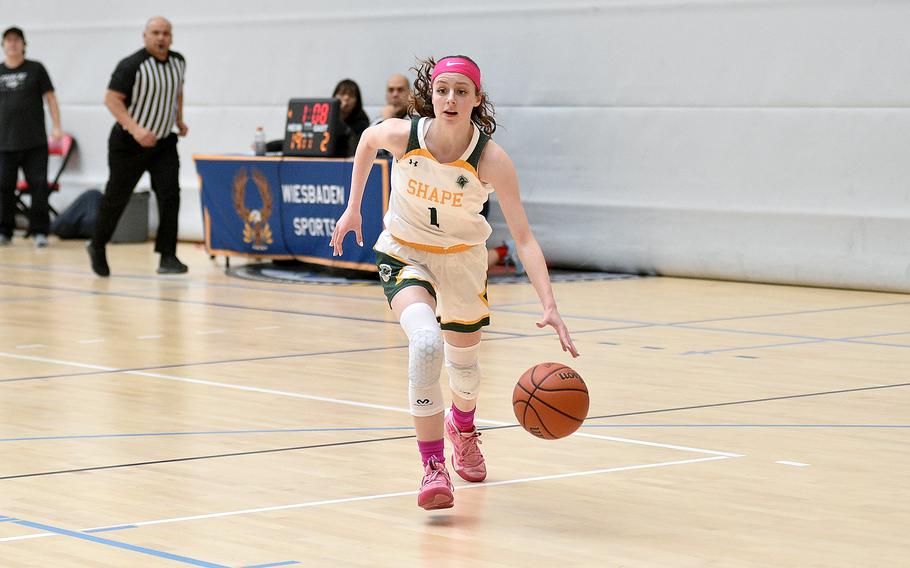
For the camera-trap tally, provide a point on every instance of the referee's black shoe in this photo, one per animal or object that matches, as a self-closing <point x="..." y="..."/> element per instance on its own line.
<point x="98" y="257"/>
<point x="170" y="264"/>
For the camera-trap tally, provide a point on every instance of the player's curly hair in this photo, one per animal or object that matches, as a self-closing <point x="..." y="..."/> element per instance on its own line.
<point x="421" y="100"/>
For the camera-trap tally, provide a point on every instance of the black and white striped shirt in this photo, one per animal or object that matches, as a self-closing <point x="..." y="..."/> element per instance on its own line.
<point x="151" y="88"/>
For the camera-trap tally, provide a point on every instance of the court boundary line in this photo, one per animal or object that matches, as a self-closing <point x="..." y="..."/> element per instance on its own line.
<point x="310" y="504"/>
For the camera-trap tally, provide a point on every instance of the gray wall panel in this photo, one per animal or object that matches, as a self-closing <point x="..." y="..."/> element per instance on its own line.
<point x="750" y="139"/>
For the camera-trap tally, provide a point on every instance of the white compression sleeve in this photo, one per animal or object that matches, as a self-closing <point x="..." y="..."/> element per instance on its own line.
<point x="425" y="354"/>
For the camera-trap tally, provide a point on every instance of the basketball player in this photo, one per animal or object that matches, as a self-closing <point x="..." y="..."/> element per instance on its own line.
<point x="432" y="259"/>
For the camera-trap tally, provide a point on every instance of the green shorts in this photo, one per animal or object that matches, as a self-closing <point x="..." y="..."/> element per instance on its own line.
<point x="457" y="281"/>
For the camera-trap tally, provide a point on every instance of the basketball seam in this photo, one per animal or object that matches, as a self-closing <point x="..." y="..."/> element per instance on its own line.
<point x="551" y="407"/>
<point x="548" y="375"/>
<point x="542" y="425"/>
<point x="562" y="390"/>
<point x="524" y="415"/>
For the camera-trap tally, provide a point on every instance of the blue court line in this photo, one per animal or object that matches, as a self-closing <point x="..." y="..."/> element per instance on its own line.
<point x="879" y="343"/>
<point x="797" y="313"/>
<point x="750" y="347"/>
<point x="752" y="332"/>
<point x="876" y="335"/>
<point x="687" y="325"/>
<point x="200" y="303"/>
<point x="204" y="433"/>
<point x="109" y="529"/>
<point x="746" y="426"/>
<point x="584" y="318"/>
<point x="123" y="545"/>
<point x="806" y="338"/>
<point x="790" y="343"/>
<point x="732" y="318"/>
<point x="803" y="339"/>
<point x="39" y="298"/>
<point x="285" y="563"/>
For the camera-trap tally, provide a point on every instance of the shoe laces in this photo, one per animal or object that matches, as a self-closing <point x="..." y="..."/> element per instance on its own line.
<point x="469" y="451"/>
<point x="435" y="469"/>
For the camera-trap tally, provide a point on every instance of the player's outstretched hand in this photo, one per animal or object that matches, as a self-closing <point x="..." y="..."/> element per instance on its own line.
<point x="552" y="318"/>
<point x="349" y="221"/>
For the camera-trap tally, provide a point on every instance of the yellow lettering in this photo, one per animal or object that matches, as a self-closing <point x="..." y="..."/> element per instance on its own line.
<point x="431" y="193"/>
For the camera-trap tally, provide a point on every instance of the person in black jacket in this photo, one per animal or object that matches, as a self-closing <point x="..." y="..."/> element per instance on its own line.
<point x="354" y="119"/>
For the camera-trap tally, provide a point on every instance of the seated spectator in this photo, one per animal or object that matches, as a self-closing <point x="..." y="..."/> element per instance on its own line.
<point x="354" y="120"/>
<point x="397" y="96"/>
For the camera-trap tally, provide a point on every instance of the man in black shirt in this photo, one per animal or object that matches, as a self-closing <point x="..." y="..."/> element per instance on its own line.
<point x="145" y="95"/>
<point x="23" y="138"/>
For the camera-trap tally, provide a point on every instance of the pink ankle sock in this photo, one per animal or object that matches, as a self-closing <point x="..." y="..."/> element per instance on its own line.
<point x="432" y="449"/>
<point x="463" y="420"/>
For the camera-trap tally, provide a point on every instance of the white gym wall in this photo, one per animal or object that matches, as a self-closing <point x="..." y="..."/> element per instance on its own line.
<point x="764" y="140"/>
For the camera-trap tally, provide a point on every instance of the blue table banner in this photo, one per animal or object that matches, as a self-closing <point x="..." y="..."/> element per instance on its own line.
<point x="273" y="207"/>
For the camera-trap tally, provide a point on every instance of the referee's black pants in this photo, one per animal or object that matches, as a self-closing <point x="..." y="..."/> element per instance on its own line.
<point x="33" y="162"/>
<point x="127" y="161"/>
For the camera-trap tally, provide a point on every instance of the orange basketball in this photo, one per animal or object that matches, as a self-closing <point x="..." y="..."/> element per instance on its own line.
<point x="550" y="400"/>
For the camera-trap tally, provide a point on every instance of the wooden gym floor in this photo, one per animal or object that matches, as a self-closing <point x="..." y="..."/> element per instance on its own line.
<point x="205" y="420"/>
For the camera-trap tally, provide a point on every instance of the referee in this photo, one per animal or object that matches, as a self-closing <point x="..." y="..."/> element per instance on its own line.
<point x="145" y="95"/>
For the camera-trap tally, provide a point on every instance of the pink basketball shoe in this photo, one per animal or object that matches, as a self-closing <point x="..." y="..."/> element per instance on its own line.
<point x="436" y="487"/>
<point x="466" y="457"/>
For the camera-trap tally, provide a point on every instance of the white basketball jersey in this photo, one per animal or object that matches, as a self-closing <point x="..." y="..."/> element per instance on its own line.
<point x="435" y="206"/>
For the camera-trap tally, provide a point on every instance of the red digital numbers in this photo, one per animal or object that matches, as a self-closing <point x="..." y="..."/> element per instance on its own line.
<point x="320" y="113"/>
<point x="317" y="114"/>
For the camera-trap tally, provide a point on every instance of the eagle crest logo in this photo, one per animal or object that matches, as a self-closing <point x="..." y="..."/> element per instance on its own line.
<point x="256" y="229"/>
<point x="385" y="272"/>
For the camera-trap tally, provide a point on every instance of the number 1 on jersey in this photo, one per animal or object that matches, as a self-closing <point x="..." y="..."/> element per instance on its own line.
<point x="433" y="219"/>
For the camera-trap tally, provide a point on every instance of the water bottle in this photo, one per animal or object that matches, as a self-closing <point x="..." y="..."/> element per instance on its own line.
<point x="259" y="141"/>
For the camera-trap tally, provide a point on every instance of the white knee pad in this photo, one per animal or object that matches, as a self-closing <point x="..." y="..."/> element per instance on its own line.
<point x="425" y="353"/>
<point x="463" y="370"/>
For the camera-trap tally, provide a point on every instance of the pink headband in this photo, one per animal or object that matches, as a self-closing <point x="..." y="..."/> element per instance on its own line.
<point x="460" y="65"/>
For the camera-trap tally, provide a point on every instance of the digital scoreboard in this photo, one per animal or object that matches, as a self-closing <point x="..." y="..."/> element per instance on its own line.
<point x="312" y="127"/>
